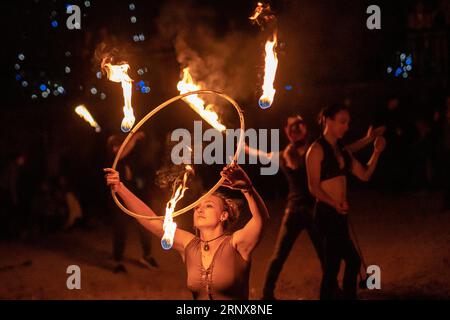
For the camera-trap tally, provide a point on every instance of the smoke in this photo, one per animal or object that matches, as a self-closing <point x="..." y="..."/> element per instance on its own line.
<point x="109" y="52"/>
<point x="224" y="60"/>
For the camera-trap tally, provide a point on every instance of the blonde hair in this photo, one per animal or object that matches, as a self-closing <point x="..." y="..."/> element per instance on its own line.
<point x="231" y="207"/>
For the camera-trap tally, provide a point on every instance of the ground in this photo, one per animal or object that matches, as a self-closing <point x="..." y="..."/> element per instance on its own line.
<point x="406" y="235"/>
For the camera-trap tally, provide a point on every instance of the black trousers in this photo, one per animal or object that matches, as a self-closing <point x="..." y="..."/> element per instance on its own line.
<point x="121" y="222"/>
<point x="298" y="216"/>
<point x="337" y="245"/>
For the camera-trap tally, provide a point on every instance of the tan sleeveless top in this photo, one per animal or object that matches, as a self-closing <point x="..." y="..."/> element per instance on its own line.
<point x="227" y="277"/>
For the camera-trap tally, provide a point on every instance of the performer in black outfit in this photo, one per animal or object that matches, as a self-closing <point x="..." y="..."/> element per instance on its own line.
<point x="328" y="162"/>
<point x="298" y="214"/>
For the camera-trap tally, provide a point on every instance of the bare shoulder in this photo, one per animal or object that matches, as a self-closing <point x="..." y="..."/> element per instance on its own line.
<point x="182" y="239"/>
<point x="315" y="150"/>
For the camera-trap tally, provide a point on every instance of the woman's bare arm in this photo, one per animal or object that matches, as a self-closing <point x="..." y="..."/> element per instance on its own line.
<point x="246" y="239"/>
<point x="133" y="203"/>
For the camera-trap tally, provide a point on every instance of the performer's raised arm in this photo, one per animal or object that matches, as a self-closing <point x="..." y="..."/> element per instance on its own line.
<point x="133" y="203"/>
<point x="371" y="135"/>
<point x="246" y="239"/>
<point x="362" y="172"/>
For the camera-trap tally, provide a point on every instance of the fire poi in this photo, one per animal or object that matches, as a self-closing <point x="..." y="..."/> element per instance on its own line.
<point x="262" y="16"/>
<point x="119" y="73"/>
<point x="270" y="70"/>
<point x="86" y="115"/>
<point x="169" y="227"/>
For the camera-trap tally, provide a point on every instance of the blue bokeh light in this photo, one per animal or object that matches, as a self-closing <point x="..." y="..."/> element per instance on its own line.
<point x="408" y="61"/>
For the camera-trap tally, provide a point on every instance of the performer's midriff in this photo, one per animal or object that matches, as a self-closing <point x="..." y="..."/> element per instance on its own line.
<point x="226" y="278"/>
<point x="336" y="188"/>
<point x="334" y="168"/>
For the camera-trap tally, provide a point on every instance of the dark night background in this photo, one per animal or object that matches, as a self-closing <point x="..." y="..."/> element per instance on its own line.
<point x="326" y="55"/>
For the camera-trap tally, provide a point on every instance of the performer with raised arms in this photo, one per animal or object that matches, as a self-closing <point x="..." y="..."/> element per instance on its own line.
<point x="217" y="263"/>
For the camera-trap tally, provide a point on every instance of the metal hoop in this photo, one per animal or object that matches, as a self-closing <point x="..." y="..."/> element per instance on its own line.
<point x="151" y="114"/>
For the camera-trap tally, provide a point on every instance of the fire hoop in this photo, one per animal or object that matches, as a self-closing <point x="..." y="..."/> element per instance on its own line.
<point x="151" y="114"/>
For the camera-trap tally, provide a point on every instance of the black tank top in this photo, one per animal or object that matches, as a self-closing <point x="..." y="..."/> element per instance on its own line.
<point x="297" y="180"/>
<point x="330" y="164"/>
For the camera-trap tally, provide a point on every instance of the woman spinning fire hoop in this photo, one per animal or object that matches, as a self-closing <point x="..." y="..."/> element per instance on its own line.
<point x="217" y="263"/>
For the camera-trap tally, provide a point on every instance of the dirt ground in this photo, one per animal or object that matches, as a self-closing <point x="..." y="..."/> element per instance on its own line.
<point x="406" y="235"/>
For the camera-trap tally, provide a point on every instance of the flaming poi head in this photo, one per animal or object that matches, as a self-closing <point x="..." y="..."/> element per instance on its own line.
<point x="186" y="84"/>
<point x="270" y="70"/>
<point x="85" y="114"/>
<point x="169" y="227"/>
<point x="119" y="73"/>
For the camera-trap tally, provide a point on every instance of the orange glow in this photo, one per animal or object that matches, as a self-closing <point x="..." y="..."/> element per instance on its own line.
<point x="119" y="73"/>
<point x="169" y="226"/>
<point x="270" y="70"/>
<point x="196" y="103"/>
<point x="85" y="114"/>
<point x="258" y="10"/>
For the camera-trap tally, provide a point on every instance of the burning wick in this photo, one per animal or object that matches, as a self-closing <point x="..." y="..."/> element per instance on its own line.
<point x="84" y="114"/>
<point x="119" y="73"/>
<point x="169" y="226"/>
<point x="258" y="10"/>
<point x="270" y="69"/>
<point x="196" y="103"/>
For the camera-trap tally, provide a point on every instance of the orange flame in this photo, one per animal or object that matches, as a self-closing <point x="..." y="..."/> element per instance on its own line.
<point x="84" y="114"/>
<point x="270" y="69"/>
<point x="258" y="10"/>
<point x="263" y="16"/>
<point x="169" y="226"/>
<point x="119" y="73"/>
<point x="196" y="103"/>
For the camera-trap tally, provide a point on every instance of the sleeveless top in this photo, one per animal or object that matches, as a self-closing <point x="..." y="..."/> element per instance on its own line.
<point x="226" y="278"/>
<point x="330" y="164"/>
<point x="297" y="180"/>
